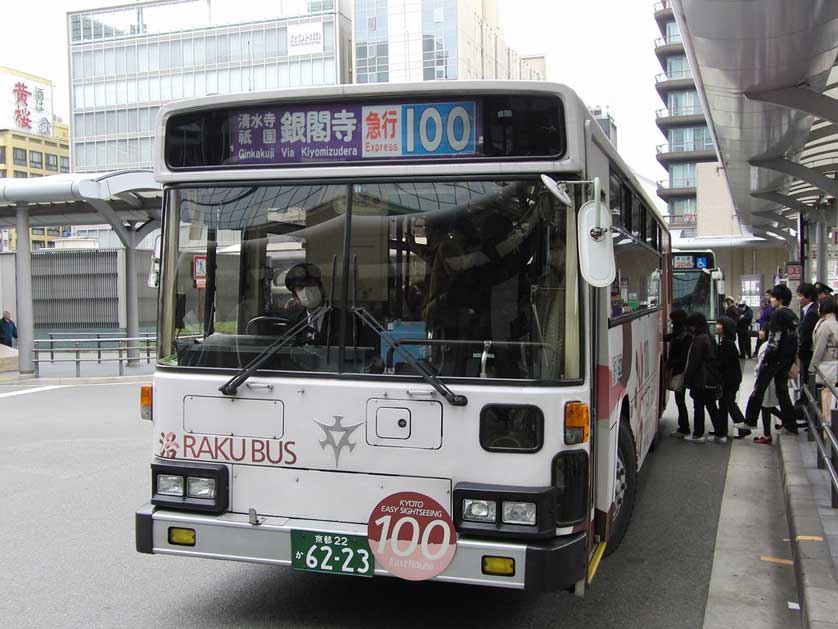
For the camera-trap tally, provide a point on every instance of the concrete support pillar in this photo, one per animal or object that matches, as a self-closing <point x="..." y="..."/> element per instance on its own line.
<point x="25" y="315"/>
<point x="132" y="313"/>
<point x="820" y="243"/>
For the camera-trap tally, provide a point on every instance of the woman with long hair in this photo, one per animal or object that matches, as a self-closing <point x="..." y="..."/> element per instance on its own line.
<point x="730" y="372"/>
<point x="702" y="379"/>
<point x="679" y="339"/>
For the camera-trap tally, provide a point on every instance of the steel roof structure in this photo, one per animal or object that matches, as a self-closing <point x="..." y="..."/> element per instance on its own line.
<point x="765" y="73"/>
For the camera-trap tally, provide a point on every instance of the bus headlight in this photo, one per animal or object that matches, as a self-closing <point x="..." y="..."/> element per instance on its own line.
<point x="519" y="513"/>
<point x="479" y="510"/>
<point x="190" y="486"/>
<point x="197" y="487"/>
<point x="169" y="485"/>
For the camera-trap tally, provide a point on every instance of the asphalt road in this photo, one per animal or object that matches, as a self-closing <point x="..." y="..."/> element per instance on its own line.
<point x="74" y="467"/>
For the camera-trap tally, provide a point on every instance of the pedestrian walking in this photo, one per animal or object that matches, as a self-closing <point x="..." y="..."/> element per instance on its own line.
<point x="679" y="339"/>
<point x="770" y="404"/>
<point x="730" y="309"/>
<point x="702" y="379"/>
<point x="730" y="373"/>
<point x="8" y="329"/>
<point x="743" y="329"/>
<point x="779" y="357"/>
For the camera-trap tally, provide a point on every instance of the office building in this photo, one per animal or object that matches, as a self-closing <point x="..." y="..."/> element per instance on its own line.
<point x="425" y="40"/>
<point x="126" y="61"/>
<point x="33" y="142"/>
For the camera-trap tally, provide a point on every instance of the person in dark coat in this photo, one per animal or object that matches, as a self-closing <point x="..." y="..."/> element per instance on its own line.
<point x="765" y="312"/>
<point x="730" y="309"/>
<point x="730" y="372"/>
<point x="779" y="357"/>
<point x="679" y="340"/>
<point x="702" y="379"/>
<point x="743" y="329"/>
<point x="8" y="329"/>
<point x="807" y="295"/>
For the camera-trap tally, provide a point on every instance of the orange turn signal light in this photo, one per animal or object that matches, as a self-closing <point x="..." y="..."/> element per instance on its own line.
<point x="146" y="401"/>
<point x="578" y="416"/>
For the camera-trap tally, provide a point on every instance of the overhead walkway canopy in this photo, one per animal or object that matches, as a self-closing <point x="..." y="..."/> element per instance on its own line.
<point x="129" y="201"/>
<point x="765" y="73"/>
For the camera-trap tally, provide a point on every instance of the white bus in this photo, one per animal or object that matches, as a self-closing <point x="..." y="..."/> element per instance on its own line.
<point x="387" y="314"/>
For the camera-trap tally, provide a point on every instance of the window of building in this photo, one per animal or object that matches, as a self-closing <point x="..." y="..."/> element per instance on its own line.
<point x="678" y="67"/>
<point x="2" y="172"/>
<point x="34" y="175"/>
<point x="673" y="35"/>
<point x="682" y="175"/>
<point x="36" y="159"/>
<point x="371" y="23"/>
<point x="53" y="231"/>
<point x="52" y="162"/>
<point x="37" y="244"/>
<point x="37" y="231"/>
<point x="2" y="154"/>
<point x="65" y="164"/>
<point x="20" y="174"/>
<point x="690" y="139"/>
<point x="19" y="156"/>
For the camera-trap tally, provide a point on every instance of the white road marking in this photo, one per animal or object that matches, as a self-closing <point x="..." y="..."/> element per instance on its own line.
<point x="35" y="390"/>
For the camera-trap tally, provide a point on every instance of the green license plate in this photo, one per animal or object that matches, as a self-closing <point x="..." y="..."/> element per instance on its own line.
<point x="332" y="554"/>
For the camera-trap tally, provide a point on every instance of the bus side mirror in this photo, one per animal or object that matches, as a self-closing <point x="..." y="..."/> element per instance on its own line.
<point x="154" y="271"/>
<point x="596" y="245"/>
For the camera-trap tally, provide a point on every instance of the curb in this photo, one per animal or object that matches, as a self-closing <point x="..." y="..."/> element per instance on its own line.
<point x="76" y="381"/>
<point x="814" y="569"/>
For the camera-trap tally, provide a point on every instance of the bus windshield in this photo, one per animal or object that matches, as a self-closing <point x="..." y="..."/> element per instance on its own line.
<point x="474" y="279"/>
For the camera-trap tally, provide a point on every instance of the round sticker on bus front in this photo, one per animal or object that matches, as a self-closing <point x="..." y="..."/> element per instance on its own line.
<point x="412" y="536"/>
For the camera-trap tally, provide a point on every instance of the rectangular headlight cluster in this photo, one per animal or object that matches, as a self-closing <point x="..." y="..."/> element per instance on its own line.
<point x="196" y="486"/>
<point x="476" y="510"/>
<point x="504" y="511"/>
<point x="191" y="487"/>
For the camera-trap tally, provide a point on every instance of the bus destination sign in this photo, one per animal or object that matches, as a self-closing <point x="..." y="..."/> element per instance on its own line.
<point x="352" y="132"/>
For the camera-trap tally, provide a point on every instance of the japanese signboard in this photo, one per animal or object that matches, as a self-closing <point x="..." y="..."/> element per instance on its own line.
<point x="691" y="261"/>
<point x="305" y="39"/>
<point x="352" y="132"/>
<point x="25" y="104"/>
<point x="793" y="270"/>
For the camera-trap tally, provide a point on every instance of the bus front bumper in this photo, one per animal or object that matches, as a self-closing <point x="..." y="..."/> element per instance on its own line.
<point x="549" y="566"/>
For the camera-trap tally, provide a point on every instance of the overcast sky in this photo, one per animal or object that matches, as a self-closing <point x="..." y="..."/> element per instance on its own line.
<point x="601" y="48"/>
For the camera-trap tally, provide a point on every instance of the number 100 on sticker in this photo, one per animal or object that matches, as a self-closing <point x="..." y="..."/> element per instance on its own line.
<point x="418" y="130"/>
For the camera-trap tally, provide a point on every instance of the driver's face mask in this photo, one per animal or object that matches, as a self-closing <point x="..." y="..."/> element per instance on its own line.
<point x="310" y="297"/>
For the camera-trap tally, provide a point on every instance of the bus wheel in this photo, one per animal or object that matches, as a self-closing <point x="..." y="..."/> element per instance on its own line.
<point x="625" y="487"/>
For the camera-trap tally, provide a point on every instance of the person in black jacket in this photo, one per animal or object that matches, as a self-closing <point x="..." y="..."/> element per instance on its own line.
<point x="746" y="317"/>
<point x="730" y="372"/>
<point x="807" y="295"/>
<point x="779" y="357"/>
<point x="679" y="340"/>
<point x="702" y="379"/>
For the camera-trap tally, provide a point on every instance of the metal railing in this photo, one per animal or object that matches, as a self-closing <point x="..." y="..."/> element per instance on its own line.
<point x="676" y="183"/>
<point x="686" y="147"/>
<point x="822" y="433"/>
<point x="668" y="39"/>
<point x="673" y="76"/>
<point x="686" y="110"/>
<point x="119" y="349"/>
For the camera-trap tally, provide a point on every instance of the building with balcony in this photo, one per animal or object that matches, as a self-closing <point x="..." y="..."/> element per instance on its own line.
<point x="425" y="40"/>
<point x="682" y="123"/>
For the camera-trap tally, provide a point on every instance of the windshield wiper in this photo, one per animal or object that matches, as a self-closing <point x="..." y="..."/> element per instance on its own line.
<point x="232" y="385"/>
<point x="426" y="375"/>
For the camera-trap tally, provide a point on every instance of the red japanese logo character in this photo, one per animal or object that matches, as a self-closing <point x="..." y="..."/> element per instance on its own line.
<point x="21" y="93"/>
<point x="373" y="126"/>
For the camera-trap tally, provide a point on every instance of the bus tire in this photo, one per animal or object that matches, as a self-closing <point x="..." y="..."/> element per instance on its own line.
<point x="625" y="490"/>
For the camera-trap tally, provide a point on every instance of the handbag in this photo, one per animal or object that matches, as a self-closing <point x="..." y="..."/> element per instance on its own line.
<point x="794" y="370"/>
<point x="676" y="382"/>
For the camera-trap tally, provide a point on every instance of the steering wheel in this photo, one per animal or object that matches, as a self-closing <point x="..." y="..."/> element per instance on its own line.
<point x="267" y="325"/>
